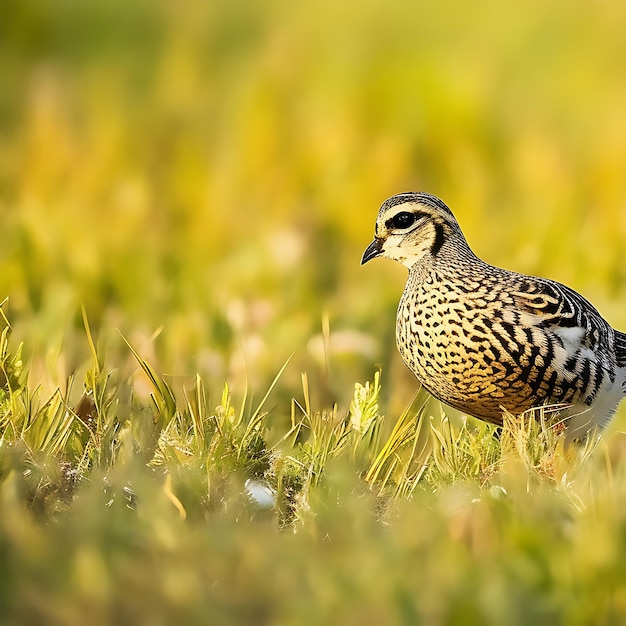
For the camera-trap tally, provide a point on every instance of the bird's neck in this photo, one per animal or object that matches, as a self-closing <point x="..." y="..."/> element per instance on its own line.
<point x="454" y="259"/>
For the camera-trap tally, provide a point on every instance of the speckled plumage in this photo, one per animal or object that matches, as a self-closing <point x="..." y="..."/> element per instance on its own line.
<point x="482" y="339"/>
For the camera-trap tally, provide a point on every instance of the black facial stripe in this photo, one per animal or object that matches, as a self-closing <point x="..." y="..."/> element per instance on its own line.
<point x="439" y="237"/>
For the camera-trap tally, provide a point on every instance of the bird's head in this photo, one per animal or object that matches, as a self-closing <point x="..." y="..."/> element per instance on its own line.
<point x="409" y="227"/>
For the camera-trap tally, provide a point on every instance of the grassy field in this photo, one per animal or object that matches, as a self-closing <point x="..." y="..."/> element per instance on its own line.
<point x="203" y="416"/>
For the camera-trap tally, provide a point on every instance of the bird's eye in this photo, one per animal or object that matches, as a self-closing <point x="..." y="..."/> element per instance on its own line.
<point x="403" y="220"/>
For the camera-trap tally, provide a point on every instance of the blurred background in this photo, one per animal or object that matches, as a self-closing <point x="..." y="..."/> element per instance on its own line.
<point x="204" y="176"/>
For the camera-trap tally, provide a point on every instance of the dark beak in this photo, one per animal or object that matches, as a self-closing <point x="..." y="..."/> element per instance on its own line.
<point x="373" y="250"/>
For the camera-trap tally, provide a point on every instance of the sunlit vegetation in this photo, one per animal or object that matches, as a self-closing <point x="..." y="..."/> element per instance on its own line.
<point x="203" y="416"/>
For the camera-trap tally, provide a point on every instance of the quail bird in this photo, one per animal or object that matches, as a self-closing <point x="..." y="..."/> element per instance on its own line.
<point x="483" y="339"/>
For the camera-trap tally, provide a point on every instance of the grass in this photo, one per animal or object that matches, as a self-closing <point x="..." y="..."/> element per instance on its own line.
<point x="157" y="516"/>
<point x="203" y="416"/>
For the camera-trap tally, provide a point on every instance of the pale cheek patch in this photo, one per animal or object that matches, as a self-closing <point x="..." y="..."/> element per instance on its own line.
<point x="397" y="250"/>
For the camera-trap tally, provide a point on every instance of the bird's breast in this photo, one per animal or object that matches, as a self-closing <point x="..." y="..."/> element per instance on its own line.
<point x="476" y="354"/>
